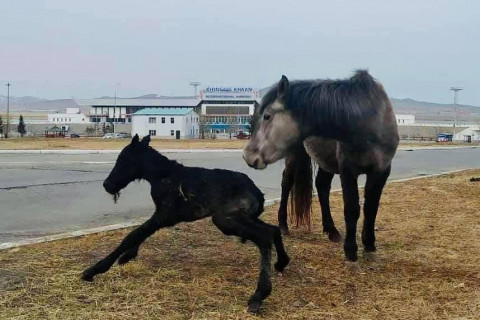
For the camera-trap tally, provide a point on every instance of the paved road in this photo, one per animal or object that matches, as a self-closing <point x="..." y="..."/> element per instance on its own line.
<point x="43" y="194"/>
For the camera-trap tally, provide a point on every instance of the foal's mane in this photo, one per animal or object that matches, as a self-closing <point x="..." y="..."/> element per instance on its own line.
<point x="338" y="104"/>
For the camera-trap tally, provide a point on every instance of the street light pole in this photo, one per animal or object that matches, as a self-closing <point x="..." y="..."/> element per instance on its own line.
<point x="8" y="109"/>
<point x="455" y="94"/>
<point x="114" y="106"/>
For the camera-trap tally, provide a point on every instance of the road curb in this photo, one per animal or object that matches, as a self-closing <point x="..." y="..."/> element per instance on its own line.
<point x="136" y="222"/>
<point x="113" y="151"/>
<point x="81" y="151"/>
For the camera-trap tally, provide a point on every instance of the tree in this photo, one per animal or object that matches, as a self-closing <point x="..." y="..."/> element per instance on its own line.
<point x="21" y="126"/>
<point x="1" y="125"/>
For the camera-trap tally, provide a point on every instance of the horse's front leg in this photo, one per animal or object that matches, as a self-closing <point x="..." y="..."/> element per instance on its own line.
<point x="133" y="240"/>
<point x="349" y="179"/>
<point x="287" y="183"/>
<point x="323" y="183"/>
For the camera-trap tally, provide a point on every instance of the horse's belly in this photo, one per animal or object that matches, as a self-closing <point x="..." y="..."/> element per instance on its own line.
<point x="323" y="151"/>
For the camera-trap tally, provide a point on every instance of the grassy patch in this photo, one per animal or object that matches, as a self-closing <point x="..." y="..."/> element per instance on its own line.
<point x="427" y="237"/>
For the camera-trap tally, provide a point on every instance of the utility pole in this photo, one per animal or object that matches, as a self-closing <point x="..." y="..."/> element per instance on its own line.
<point x="114" y="106"/>
<point x="195" y="84"/>
<point x="455" y="95"/>
<point x="8" y="109"/>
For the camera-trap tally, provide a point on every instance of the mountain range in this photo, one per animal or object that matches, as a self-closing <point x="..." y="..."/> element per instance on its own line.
<point x="423" y="111"/>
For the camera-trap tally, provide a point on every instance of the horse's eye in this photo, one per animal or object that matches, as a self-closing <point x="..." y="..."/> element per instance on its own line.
<point x="266" y="117"/>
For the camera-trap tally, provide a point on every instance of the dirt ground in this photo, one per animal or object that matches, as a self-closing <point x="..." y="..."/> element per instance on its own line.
<point x="114" y="144"/>
<point x="428" y="238"/>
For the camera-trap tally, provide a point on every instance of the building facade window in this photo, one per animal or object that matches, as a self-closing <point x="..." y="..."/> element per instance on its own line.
<point x="152" y="120"/>
<point x="172" y="120"/>
<point x="163" y="119"/>
<point x="172" y="133"/>
<point x="152" y="132"/>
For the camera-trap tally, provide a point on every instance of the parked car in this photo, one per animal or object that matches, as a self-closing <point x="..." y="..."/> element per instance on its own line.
<point x="74" y="135"/>
<point x="122" y="135"/>
<point x="108" y="136"/>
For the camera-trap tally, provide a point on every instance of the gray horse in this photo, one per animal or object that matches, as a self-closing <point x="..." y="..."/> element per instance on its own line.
<point x="347" y="127"/>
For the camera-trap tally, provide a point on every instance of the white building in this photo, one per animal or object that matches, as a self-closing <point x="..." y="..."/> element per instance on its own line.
<point x="405" y="119"/>
<point x="121" y="110"/>
<point x="171" y="123"/>
<point x="71" y="115"/>
<point x="471" y="134"/>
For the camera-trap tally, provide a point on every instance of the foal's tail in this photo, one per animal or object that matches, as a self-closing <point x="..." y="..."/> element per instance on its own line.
<point x="301" y="194"/>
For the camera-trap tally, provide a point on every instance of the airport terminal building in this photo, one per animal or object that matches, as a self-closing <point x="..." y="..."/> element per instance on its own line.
<point x="223" y="110"/>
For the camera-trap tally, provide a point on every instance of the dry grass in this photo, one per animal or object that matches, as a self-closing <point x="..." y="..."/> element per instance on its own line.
<point x="428" y="237"/>
<point x="114" y="144"/>
<point x="117" y="144"/>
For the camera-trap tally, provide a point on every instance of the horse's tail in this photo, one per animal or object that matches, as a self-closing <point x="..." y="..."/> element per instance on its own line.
<point x="301" y="194"/>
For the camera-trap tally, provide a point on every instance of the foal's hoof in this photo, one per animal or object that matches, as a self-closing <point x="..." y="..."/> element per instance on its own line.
<point x="254" y="307"/>
<point x="334" y="236"/>
<point x="353" y="266"/>
<point x="281" y="264"/>
<point x="372" y="256"/>
<point x="87" y="276"/>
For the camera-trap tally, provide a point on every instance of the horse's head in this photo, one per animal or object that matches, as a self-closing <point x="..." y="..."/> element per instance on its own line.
<point x="128" y="167"/>
<point x="276" y="131"/>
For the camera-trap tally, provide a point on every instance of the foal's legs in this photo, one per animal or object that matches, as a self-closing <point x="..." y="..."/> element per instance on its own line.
<point x="373" y="191"/>
<point x="287" y="183"/>
<point x="243" y="226"/>
<point x="131" y="241"/>
<point x="352" y="213"/>
<point x="323" y="182"/>
<point x="128" y="255"/>
<point x="282" y="256"/>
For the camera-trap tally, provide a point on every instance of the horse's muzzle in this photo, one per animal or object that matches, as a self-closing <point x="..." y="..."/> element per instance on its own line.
<point x="109" y="187"/>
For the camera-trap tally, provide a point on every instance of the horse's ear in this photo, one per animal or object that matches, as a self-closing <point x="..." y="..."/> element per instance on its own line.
<point x="146" y="140"/>
<point x="283" y="87"/>
<point x="135" y="139"/>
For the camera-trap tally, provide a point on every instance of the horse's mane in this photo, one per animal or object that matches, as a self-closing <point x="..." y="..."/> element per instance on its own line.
<point x="332" y="104"/>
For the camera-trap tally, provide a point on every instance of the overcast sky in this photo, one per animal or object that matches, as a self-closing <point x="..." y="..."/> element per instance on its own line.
<point x="60" y="49"/>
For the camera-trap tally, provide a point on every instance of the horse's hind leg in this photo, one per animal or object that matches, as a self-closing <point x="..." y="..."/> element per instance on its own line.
<point x="373" y="191"/>
<point x="282" y="256"/>
<point x="287" y="183"/>
<point x="243" y="226"/>
<point x="323" y="182"/>
<point x="132" y="240"/>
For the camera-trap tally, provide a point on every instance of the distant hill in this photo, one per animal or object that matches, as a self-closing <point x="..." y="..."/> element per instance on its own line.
<point x="423" y="111"/>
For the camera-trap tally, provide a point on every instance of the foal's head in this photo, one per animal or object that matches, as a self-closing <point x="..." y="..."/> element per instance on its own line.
<point x="129" y="166"/>
<point x="277" y="131"/>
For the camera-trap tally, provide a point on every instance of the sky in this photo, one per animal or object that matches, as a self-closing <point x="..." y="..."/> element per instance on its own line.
<point x="83" y="49"/>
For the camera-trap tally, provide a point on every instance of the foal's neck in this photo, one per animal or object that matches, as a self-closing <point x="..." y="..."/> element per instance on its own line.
<point x="157" y="166"/>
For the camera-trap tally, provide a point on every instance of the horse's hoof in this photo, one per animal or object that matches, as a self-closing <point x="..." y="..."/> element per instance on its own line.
<point x="353" y="266"/>
<point x="254" y="307"/>
<point x="87" y="276"/>
<point x="335" y="236"/>
<point x="372" y="256"/>
<point x="280" y="265"/>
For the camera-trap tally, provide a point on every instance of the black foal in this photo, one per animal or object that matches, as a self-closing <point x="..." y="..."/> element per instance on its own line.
<point x="183" y="194"/>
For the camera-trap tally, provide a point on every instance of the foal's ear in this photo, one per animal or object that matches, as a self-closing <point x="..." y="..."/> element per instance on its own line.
<point x="283" y="87"/>
<point x="135" y="139"/>
<point x="146" y="140"/>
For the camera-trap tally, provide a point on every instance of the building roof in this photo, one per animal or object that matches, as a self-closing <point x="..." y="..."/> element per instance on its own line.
<point x="158" y="102"/>
<point x="163" y="112"/>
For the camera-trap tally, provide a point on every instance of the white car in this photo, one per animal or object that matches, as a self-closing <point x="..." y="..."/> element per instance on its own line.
<point x="109" y="136"/>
